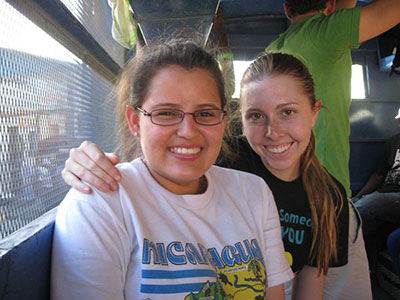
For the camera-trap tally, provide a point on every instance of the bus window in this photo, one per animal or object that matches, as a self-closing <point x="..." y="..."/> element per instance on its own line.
<point x="358" y="82"/>
<point x="239" y="66"/>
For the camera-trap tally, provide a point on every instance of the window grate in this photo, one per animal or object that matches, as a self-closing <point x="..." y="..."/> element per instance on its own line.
<point x="95" y="16"/>
<point x="50" y="101"/>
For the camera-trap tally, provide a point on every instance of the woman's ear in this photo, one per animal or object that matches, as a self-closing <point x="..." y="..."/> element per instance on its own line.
<point x="288" y="13"/>
<point x="132" y="117"/>
<point x="317" y="107"/>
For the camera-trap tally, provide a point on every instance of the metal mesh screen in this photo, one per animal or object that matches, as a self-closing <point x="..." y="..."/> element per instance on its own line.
<point x="50" y="101"/>
<point x="95" y="16"/>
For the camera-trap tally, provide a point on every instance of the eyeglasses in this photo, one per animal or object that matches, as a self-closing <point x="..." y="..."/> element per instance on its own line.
<point x="169" y="117"/>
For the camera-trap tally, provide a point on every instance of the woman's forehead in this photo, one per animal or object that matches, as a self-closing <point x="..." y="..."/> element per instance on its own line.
<point x="180" y="86"/>
<point x="273" y="91"/>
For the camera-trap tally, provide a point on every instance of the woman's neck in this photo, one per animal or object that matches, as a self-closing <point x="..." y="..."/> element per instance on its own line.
<point x="284" y="175"/>
<point x="198" y="186"/>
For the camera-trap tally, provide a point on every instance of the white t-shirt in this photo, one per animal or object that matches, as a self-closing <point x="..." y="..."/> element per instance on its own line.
<point x="144" y="242"/>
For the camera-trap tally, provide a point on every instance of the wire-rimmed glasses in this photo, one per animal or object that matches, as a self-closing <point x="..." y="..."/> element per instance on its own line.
<point x="170" y="116"/>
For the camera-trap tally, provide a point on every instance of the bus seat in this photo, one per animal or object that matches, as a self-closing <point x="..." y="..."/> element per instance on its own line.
<point x="25" y="258"/>
<point x="363" y="158"/>
<point x="387" y="277"/>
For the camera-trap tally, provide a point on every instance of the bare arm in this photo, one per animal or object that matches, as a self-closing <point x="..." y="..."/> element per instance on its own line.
<point x="372" y="184"/>
<point x="378" y="17"/>
<point x="345" y="4"/>
<point x="308" y="285"/>
<point x="218" y="24"/>
<point x="276" y="292"/>
<point x="90" y="163"/>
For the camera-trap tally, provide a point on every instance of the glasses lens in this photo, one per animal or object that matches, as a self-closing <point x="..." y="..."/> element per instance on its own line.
<point x="209" y="116"/>
<point x="166" y="116"/>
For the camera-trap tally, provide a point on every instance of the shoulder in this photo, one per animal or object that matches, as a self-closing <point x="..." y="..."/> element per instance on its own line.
<point x="132" y="167"/>
<point x="341" y="27"/>
<point x="94" y="206"/>
<point x="247" y="192"/>
<point x="134" y="174"/>
<point x="342" y="16"/>
<point x="98" y="202"/>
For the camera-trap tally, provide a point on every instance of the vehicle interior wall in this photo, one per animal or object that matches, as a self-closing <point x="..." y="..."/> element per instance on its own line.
<point x="372" y="119"/>
<point x="57" y="70"/>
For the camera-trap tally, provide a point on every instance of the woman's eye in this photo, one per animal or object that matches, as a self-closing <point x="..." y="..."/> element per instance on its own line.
<point x="205" y="114"/>
<point x="166" y="113"/>
<point x="288" y="112"/>
<point x="255" y="116"/>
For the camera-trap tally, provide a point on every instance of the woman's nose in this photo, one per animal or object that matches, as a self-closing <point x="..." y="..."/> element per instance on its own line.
<point x="188" y="127"/>
<point x="274" y="129"/>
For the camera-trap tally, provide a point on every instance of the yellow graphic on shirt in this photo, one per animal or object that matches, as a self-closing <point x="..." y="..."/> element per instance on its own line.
<point x="289" y="258"/>
<point x="239" y="282"/>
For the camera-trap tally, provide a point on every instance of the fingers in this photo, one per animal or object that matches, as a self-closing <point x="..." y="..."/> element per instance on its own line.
<point x="90" y="163"/>
<point x="74" y="182"/>
<point x="114" y="159"/>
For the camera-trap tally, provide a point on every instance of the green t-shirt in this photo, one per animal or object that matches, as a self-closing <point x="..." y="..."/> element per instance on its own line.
<point x="324" y="43"/>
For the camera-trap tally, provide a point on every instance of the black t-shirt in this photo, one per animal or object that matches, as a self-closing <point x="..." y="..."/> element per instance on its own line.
<point x="389" y="166"/>
<point x="293" y="208"/>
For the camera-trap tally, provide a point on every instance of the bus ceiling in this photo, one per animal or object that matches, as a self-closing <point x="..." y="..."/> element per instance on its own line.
<point x="163" y="18"/>
<point x="250" y="25"/>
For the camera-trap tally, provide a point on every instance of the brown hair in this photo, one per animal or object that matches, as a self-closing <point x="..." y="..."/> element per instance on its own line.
<point x="299" y="7"/>
<point x="134" y="82"/>
<point x="321" y="189"/>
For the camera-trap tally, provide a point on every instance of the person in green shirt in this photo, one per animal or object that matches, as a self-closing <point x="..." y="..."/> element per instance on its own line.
<point x="322" y="33"/>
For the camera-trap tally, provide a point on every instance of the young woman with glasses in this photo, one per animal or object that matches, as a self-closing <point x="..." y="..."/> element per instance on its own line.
<point x="177" y="227"/>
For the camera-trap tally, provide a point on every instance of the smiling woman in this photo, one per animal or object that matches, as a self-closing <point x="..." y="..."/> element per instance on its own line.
<point x="278" y="122"/>
<point x="178" y="154"/>
<point x="178" y="227"/>
<point x="278" y="111"/>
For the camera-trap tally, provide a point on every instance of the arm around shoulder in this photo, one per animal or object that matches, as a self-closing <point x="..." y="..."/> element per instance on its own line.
<point x="91" y="164"/>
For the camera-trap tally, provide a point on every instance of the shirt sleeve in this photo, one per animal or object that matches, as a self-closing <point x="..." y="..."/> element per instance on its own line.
<point x="339" y="30"/>
<point x="90" y="251"/>
<point x="342" y="235"/>
<point x="278" y="269"/>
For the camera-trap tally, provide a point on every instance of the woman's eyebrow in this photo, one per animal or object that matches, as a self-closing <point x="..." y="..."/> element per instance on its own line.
<point x="166" y="105"/>
<point x="207" y="105"/>
<point x="179" y="106"/>
<point x="287" y="104"/>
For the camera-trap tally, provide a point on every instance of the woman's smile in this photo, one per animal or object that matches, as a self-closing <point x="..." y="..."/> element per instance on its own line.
<point x="278" y="149"/>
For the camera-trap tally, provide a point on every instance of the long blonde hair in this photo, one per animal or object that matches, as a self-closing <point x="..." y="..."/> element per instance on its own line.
<point x="321" y="189"/>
